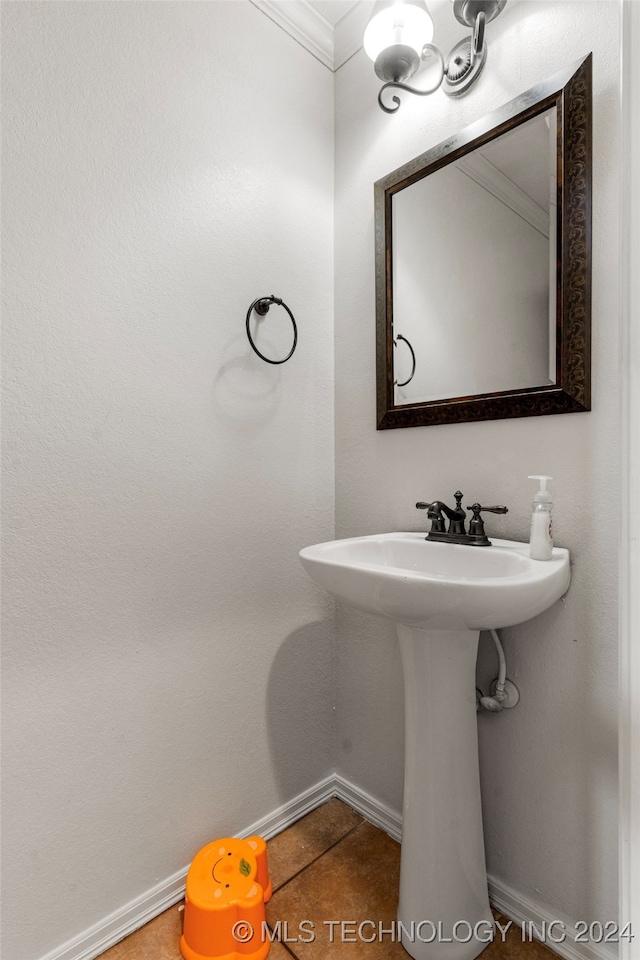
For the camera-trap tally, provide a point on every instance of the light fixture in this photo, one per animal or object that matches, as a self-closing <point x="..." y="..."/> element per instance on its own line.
<point x="398" y="40"/>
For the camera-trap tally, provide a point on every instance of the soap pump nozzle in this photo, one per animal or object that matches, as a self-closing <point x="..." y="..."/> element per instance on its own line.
<point x="543" y="495"/>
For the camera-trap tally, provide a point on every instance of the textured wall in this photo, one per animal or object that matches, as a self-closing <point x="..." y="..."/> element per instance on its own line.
<point x="167" y="663"/>
<point x="549" y="767"/>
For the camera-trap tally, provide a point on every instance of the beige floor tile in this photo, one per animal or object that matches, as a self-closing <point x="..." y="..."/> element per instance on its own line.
<point x="357" y="880"/>
<point x="299" y="845"/>
<point x="278" y="952"/>
<point x="510" y="945"/>
<point x="331" y="865"/>
<point x="157" y="940"/>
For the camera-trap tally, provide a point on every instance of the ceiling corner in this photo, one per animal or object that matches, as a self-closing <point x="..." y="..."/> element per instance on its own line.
<point x="302" y="21"/>
<point x="331" y="30"/>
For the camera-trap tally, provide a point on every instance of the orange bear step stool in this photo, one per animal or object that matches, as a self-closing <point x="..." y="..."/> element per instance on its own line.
<point x="227" y="887"/>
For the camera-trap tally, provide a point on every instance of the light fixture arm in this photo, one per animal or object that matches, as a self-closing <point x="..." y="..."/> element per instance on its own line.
<point x="427" y="50"/>
<point x="477" y="43"/>
<point x="400" y="59"/>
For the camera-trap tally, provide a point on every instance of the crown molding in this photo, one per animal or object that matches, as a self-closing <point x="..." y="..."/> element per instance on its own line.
<point x="302" y="22"/>
<point x="481" y="170"/>
<point x="347" y="36"/>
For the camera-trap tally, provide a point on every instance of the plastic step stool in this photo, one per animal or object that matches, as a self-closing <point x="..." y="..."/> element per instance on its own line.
<point x="227" y="887"/>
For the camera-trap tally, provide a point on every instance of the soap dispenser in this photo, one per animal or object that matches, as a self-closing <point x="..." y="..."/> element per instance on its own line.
<point x="541" y="539"/>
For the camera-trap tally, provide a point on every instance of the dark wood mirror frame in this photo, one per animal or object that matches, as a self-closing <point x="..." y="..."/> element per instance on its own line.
<point x="570" y="92"/>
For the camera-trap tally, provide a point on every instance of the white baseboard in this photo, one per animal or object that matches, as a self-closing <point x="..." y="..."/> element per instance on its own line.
<point x="292" y="811"/>
<point x="129" y="918"/>
<point x="376" y="812"/>
<point x="561" y="937"/>
<point x="133" y="915"/>
<point x="119" y="924"/>
<point x="514" y="905"/>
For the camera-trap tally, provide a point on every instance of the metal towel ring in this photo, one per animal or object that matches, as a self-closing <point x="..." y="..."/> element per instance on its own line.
<point x="261" y="306"/>
<point x="413" y="359"/>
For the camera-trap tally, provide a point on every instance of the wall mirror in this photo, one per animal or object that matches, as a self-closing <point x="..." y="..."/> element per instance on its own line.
<point x="483" y="266"/>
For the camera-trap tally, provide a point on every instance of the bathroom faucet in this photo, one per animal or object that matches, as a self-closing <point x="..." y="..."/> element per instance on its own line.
<point x="456" y="533"/>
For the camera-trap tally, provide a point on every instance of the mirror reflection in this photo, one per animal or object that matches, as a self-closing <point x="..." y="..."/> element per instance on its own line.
<point x="474" y="270"/>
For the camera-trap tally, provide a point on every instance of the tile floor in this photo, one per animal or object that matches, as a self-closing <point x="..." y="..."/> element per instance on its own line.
<point x="331" y="865"/>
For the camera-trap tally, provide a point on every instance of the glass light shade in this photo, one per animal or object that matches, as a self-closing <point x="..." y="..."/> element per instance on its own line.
<point x="400" y="24"/>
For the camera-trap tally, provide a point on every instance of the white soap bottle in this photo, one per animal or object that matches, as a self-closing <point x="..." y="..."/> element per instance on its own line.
<point x="541" y="539"/>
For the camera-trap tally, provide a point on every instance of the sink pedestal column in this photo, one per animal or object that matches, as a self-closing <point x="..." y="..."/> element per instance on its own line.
<point x="443" y="880"/>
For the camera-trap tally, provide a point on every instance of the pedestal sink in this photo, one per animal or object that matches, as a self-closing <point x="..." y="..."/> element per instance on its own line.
<point x="440" y="596"/>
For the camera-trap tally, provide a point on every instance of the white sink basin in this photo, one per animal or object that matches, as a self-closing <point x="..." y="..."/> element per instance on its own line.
<point x="445" y="586"/>
<point x="440" y="596"/>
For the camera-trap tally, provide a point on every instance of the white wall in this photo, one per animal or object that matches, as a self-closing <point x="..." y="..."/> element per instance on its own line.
<point x="167" y="663"/>
<point x="548" y="767"/>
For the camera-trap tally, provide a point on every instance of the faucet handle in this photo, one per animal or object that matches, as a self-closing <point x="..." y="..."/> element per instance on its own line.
<point x="476" y="525"/>
<point x="433" y="509"/>
<point x="477" y="509"/>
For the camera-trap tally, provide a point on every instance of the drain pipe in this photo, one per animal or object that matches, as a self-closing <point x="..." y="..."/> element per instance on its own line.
<point x="504" y="693"/>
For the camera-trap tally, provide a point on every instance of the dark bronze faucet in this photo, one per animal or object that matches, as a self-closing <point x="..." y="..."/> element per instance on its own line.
<point x="437" y="508"/>
<point x="456" y="533"/>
